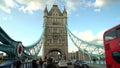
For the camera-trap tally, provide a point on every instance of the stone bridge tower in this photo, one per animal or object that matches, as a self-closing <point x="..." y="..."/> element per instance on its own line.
<point x="55" y="36"/>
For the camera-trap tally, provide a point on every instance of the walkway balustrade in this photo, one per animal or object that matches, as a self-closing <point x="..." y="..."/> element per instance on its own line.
<point x="12" y="65"/>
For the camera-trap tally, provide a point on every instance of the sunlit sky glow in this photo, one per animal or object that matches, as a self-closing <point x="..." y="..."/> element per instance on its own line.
<point x="22" y="20"/>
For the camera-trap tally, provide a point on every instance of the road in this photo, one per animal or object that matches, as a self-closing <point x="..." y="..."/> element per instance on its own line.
<point x="91" y="66"/>
<point x="97" y="65"/>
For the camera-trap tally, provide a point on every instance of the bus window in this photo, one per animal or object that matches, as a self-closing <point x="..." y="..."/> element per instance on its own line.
<point x="110" y="35"/>
<point x="116" y="56"/>
<point x="118" y="32"/>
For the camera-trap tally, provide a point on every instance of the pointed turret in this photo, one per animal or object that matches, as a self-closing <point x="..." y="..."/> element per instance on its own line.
<point x="65" y="12"/>
<point x="45" y="11"/>
<point x="55" y="10"/>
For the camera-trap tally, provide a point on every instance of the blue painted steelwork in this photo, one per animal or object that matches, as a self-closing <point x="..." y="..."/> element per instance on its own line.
<point x="12" y="47"/>
<point x="86" y="47"/>
<point x="33" y="50"/>
<point x="8" y="45"/>
<point x="10" y="64"/>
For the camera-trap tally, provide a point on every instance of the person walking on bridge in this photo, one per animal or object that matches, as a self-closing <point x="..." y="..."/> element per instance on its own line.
<point x="50" y="63"/>
<point x="18" y="64"/>
<point x="41" y="63"/>
<point x="34" y="63"/>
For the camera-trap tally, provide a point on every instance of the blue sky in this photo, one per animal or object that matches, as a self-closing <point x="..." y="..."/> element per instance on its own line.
<point x="22" y="20"/>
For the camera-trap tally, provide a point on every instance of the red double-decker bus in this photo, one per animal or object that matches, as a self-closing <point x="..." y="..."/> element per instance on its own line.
<point x="112" y="47"/>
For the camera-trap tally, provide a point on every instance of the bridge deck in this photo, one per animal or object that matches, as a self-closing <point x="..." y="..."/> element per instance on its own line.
<point x="91" y="65"/>
<point x="97" y="65"/>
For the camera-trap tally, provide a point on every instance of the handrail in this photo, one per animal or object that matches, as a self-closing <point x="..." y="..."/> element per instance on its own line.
<point x="13" y="65"/>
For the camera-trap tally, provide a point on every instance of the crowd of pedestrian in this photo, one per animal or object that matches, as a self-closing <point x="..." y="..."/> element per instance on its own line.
<point x="39" y="63"/>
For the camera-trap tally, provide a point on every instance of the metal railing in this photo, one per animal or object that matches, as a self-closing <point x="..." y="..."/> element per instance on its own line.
<point x="13" y="65"/>
<point x="96" y="62"/>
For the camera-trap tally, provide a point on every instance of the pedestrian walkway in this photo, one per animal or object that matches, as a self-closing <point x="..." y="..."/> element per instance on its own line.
<point x="97" y="65"/>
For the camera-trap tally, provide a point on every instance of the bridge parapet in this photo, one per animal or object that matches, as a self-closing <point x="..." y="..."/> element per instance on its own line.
<point x="13" y="65"/>
<point x="96" y="62"/>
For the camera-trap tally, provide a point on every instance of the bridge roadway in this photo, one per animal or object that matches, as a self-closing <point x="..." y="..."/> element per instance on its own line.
<point x="92" y="66"/>
<point x="97" y="65"/>
<point x="28" y="65"/>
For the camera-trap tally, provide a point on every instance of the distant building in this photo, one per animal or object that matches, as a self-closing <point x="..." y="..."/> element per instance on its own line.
<point x="72" y="55"/>
<point x="78" y="55"/>
<point x="1" y="55"/>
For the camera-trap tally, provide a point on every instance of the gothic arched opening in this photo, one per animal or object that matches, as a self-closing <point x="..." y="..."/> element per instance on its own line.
<point x="56" y="54"/>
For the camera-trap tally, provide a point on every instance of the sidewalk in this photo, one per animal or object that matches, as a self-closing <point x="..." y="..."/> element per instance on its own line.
<point x="97" y="65"/>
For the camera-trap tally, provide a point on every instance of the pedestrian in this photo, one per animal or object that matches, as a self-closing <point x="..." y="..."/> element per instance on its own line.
<point x="34" y="64"/>
<point x="94" y="60"/>
<point x="50" y="63"/>
<point x="41" y="63"/>
<point x="45" y="62"/>
<point x="18" y="64"/>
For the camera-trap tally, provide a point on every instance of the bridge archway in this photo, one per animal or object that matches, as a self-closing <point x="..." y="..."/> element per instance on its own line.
<point x="56" y="53"/>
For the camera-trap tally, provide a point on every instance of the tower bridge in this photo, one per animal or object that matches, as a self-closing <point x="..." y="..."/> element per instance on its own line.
<point x="55" y="37"/>
<point x="54" y="40"/>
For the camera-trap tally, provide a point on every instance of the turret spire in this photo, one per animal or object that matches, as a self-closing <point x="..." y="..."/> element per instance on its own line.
<point x="64" y="10"/>
<point x="45" y="11"/>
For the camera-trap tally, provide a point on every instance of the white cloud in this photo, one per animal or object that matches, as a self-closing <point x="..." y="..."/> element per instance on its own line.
<point x="5" y="9"/>
<point x="72" y="4"/>
<point x="23" y="5"/>
<point x="5" y="18"/>
<point x="34" y="5"/>
<point x="102" y="3"/>
<point x="97" y="10"/>
<point x="99" y="3"/>
<point x="77" y="15"/>
<point x="72" y="48"/>
<point x="88" y="35"/>
<point x="5" y="5"/>
<point x="10" y="3"/>
<point x="31" y="5"/>
<point x="99" y="37"/>
<point x="100" y="34"/>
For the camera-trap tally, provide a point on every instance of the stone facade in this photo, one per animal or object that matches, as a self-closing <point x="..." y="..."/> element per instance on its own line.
<point x="55" y="36"/>
<point x="78" y="55"/>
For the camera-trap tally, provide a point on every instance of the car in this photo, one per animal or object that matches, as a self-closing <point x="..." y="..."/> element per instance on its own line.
<point x="80" y="64"/>
<point x="62" y="64"/>
<point x="69" y="62"/>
